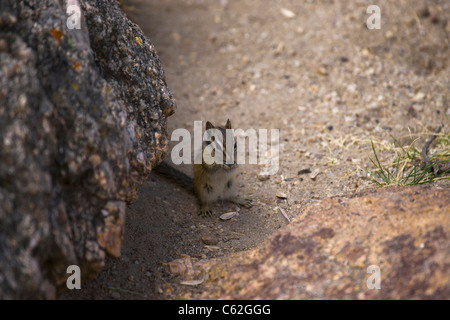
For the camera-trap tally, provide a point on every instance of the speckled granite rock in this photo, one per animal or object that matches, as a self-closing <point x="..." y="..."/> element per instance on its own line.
<point x="82" y="122"/>
<point x="325" y="253"/>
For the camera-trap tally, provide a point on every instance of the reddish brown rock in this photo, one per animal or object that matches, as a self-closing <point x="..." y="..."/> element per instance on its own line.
<point x="326" y="252"/>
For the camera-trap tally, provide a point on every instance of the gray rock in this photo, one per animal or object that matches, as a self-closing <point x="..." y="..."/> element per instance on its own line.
<point x="82" y="122"/>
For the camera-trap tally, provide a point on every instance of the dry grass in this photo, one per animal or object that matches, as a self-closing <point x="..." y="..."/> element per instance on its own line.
<point x="407" y="166"/>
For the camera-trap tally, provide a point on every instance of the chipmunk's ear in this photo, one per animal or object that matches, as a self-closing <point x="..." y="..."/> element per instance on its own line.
<point x="209" y="125"/>
<point x="228" y="125"/>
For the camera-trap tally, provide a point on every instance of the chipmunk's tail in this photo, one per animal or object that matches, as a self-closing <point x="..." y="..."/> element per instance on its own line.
<point x="175" y="175"/>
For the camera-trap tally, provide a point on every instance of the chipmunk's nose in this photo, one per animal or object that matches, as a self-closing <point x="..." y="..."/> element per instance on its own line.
<point x="230" y="165"/>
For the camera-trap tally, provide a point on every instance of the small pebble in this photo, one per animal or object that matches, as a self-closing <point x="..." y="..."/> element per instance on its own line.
<point x="389" y="34"/>
<point x="419" y="96"/>
<point x="365" y="52"/>
<point x="434" y="18"/>
<point x="304" y="171"/>
<point x="314" y="174"/>
<point x="322" y="71"/>
<point x="209" y="240"/>
<point x="287" y="13"/>
<point x="423" y="12"/>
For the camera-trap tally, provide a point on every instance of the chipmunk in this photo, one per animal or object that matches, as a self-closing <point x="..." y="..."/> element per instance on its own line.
<point x="212" y="182"/>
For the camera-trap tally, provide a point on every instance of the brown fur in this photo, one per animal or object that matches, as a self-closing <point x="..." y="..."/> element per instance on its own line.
<point x="217" y="181"/>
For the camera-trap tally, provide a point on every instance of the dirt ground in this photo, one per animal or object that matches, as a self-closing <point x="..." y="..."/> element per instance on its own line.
<point x="309" y="68"/>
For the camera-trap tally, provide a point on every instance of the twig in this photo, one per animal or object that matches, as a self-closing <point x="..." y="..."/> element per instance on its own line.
<point x="284" y="214"/>
<point x="264" y="200"/>
<point x="427" y="146"/>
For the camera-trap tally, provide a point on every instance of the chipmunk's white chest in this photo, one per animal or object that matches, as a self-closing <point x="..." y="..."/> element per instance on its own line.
<point x="225" y="184"/>
<point x="220" y="185"/>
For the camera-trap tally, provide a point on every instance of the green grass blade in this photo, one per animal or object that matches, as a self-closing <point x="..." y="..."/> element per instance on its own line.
<point x="379" y="164"/>
<point x="398" y="143"/>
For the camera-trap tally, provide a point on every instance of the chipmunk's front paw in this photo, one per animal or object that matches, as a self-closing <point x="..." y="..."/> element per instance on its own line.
<point x="245" y="202"/>
<point x="204" y="212"/>
<point x="248" y="203"/>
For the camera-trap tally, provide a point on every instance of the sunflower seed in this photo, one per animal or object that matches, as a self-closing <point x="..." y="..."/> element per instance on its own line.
<point x="228" y="215"/>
